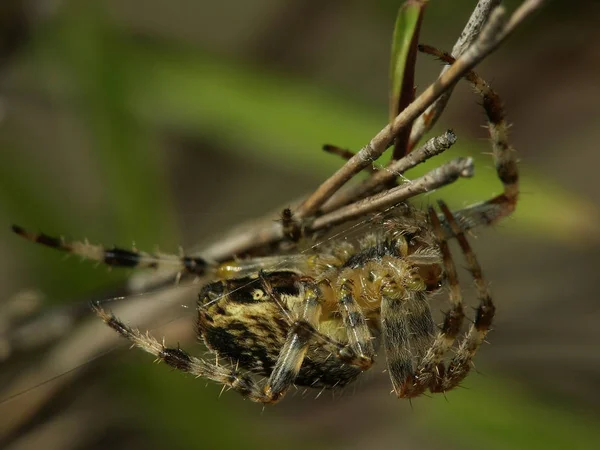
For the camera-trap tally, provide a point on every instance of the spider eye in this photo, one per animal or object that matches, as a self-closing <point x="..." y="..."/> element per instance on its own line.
<point x="258" y="294"/>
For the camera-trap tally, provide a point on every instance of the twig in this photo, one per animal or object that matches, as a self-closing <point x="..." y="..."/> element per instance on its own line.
<point x="478" y="18"/>
<point x="344" y="153"/>
<point x="493" y="33"/>
<point x="441" y="176"/>
<point x="267" y="231"/>
<point x="379" y="180"/>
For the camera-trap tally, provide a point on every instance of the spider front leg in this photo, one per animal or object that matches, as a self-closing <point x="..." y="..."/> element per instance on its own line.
<point x="295" y="347"/>
<point x="180" y="360"/>
<point x="505" y="159"/>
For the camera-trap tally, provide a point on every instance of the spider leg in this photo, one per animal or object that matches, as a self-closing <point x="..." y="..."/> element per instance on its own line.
<point x="251" y="266"/>
<point x="180" y="360"/>
<point x="430" y="370"/>
<point x="308" y="323"/>
<point x="490" y="211"/>
<point x="118" y="257"/>
<point x="359" y="336"/>
<point x="302" y="332"/>
<point x="294" y="350"/>
<point x="460" y="365"/>
<point x="407" y="328"/>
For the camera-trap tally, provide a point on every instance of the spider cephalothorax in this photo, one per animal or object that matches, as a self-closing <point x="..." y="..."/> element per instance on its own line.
<point x="321" y="318"/>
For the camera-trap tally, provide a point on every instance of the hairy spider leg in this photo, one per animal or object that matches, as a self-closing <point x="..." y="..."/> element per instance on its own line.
<point x="407" y="328"/>
<point x="295" y="347"/>
<point x="311" y="310"/>
<point x="177" y="358"/>
<point x="359" y="336"/>
<point x="505" y="159"/>
<point x="118" y="257"/>
<point x="460" y="365"/>
<point x="428" y="373"/>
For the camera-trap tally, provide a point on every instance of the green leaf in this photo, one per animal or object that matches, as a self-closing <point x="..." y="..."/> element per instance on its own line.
<point x="405" y="31"/>
<point x="402" y="66"/>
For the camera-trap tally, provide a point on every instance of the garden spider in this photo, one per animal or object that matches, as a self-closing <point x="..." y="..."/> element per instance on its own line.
<point x="318" y="318"/>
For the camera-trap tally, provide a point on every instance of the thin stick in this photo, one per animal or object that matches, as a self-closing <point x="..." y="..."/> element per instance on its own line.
<point x="346" y="154"/>
<point x="478" y="18"/>
<point x="385" y="175"/>
<point x="493" y="33"/>
<point x="268" y="232"/>
<point x="441" y="176"/>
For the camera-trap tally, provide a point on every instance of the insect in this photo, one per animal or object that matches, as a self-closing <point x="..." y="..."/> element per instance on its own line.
<point x="321" y="318"/>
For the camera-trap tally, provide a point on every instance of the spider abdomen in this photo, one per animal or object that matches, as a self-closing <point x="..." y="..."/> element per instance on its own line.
<point x="249" y="330"/>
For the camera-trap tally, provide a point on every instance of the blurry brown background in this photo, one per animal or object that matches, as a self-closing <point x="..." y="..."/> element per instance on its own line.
<point x="166" y="122"/>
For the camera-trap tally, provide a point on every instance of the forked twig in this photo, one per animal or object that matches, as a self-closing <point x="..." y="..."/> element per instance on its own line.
<point x="441" y="176"/>
<point x="493" y="33"/>
<point x="379" y="180"/>
<point x="478" y="18"/>
<point x="268" y="232"/>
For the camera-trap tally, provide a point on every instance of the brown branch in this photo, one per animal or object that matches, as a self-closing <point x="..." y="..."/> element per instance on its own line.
<point x="385" y="175"/>
<point x="344" y="153"/>
<point x="493" y="33"/>
<point x="266" y="231"/>
<point x="478" y="18"/>
<point x="441" y="176"/>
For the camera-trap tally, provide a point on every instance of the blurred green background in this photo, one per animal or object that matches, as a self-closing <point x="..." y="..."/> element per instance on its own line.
<point x="164" y="123"/>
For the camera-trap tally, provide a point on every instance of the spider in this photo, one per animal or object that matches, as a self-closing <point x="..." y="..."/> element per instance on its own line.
<point x="319" y="318"/>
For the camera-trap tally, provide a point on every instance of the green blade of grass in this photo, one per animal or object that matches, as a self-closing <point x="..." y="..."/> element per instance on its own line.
<point x="402" y="66"/>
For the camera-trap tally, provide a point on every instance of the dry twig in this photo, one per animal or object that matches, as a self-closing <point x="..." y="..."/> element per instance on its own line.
<point x="441" y="176"/>
<point x="478" y="18"/>
<point x="495" y="31"/>
<point x="385" y="175"/>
